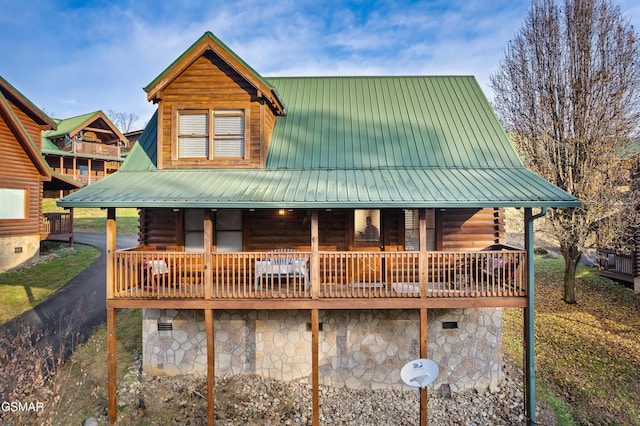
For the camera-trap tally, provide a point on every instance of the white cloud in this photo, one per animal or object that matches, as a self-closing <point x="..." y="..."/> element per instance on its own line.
<point x="72" y="61"/>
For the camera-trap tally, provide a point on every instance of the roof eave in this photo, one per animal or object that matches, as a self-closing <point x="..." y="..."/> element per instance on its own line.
<point x="45" y="122"/>
<point x="14" y="123"/>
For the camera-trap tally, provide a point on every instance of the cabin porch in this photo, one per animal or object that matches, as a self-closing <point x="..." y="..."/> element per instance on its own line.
<point x="149" y="273"/>
<point x="57" y="225"/>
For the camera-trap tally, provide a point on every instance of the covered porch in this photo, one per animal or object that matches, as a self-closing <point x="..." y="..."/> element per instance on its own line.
<point x="149" y="272"/>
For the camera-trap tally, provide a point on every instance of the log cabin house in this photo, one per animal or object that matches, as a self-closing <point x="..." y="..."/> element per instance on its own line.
<point x="327" y="229"/>
<point x="23" y="176"/>
<point x="85" y="148"/>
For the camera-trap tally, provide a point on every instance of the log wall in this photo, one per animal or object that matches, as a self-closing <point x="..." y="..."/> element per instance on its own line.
<point x="210" y="83"/>
<point x="18" y="171"/>
<point x="268" y="229"/>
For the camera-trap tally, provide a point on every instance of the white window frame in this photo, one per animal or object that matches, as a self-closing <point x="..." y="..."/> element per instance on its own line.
<point x="217" y="139"/>
<point x="193" y="138"/>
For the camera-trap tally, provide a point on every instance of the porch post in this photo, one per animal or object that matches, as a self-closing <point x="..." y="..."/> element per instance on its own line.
<point x="315" y="392"/>
<point x="211" y="375"/>
<point x="422" y="256"/>
<point x="208" y="243"/>
<point x="315" y="257"/>
<point x="111" y="250"/>
<point x="112" y="368"/>
<point x="424" y="393"/>
<point x="529" y="318"/>
<point x="71" y="227"/>
<point x="112" y="407"/>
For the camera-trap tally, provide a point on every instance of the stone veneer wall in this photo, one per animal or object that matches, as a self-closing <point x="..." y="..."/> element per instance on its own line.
<point x="357" y="349"/>
<point x="28" y="246"/>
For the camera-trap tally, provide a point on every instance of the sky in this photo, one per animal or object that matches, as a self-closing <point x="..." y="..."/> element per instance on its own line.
<point x="71" y="57"/>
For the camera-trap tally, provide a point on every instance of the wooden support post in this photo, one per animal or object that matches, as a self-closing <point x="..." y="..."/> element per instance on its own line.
<point x="112" y="368"/>
<point x="71" y="226"/>
<point x="423" y="262"/>
<point x="315" y="365"/>
<point x="211" y="375"/>
<point x="208" y="244"/>
<point x="424" y="393"/>
<point x="315" y="257"/>
<point x="111" y="251"/>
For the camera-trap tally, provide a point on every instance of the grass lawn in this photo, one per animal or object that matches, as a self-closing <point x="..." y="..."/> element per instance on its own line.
<point x="588" y="354"/>
<point x="95" y="220"/>
<point x="23" y="290"/>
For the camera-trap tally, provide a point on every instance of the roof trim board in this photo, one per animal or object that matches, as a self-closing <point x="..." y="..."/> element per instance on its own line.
<point x="73" y="125"/>
<point x="210" y="42"/>
<point x="43" y="119"/>
<point x="23" y="137"/>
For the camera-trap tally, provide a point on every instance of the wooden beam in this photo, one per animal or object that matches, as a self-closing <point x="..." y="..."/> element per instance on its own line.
<point x="211" y="375"/>
<point x="111" y="250"/>
<point x="424" y="393"/>
<point x="315" y="366"/>
<point x="314" y="261"/>
<point x="98" y="130"/>
<point x="112" y="369"/>
<point x="307" y="304"/>
<point x="423" y="265"/>
<point x="208" y="245"/>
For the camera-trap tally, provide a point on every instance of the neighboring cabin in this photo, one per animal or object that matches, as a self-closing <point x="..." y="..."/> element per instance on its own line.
<point x="23" y="173"/>
<point x="85" y="148"/>
<point x="323" y="229"/>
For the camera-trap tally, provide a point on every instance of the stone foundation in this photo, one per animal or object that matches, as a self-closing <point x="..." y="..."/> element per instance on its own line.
<point x="359" y="349"/>
<point x="16" y="250"/>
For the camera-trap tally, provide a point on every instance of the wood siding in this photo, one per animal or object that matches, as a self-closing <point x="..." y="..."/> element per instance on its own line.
<point x="18" y="171"/>
<point x="469" y="229"/>
<point x="160" y="227"/>
<point x="210" y="83"/>
<point x="456" y="229"/>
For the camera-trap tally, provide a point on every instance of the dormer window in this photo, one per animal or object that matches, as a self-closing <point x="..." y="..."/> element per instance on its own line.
<point x="211" y="134"/>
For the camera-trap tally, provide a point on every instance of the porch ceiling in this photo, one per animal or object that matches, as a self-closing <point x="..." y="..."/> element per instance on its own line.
<point x="372" y="188"/>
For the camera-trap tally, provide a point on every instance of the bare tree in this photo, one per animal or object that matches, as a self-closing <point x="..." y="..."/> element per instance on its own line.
<point x="122" y="120"/>
<point x="568" y="92"/>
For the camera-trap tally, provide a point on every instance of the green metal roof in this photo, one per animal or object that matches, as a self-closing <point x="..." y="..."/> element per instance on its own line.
<point x="68" y="125"/>
<point x="382" y="122"/>
<point x="351" y="142"/>
<point x="243" y="188"/>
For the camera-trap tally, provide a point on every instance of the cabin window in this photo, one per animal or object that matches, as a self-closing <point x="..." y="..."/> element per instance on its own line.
<point x="193" y="230"/>
<point x="412" y="230"/>
<point x="14" y="203"/>
<point x="229" y="230"/>
<point x="228" y="140"/>
<point x="211" y="134"/>
<point x="193" y="135"/>
<point x="367" y="226"/>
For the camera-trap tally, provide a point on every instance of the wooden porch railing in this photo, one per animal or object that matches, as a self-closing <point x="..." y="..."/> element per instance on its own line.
<point x="278" y="275"/>
<point x="616" y="265"/>
<point x="57" y="225"/>
<point x="93" y="148"/>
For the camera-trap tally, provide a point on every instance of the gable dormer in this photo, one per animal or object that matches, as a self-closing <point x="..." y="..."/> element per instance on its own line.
<point x="214" y="110"/>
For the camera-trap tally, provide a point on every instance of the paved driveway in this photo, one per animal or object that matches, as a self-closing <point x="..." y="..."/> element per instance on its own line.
<point x="80" y="306"/>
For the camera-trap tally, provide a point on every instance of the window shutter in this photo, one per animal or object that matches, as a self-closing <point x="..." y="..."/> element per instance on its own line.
<point x="193" y="124"/>
<point x="229" y="134"/>
<point x="194" y="147"/>
<point x="194" y="135"/>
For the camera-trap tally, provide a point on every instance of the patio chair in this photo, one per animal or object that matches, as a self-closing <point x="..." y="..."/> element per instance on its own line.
<point x="281" y="267"/>
<point x="155" y="272"/>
